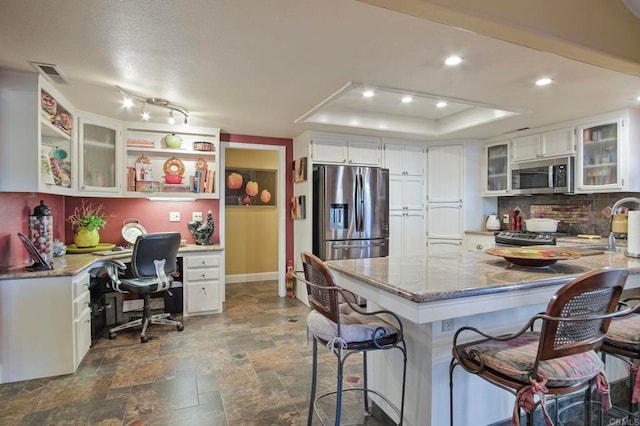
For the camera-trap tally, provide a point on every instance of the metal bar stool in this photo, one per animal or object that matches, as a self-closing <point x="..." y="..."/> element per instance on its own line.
<point x="622" y="341"/>
<point x="558" y="360"/>
<point x="336" y="322"/>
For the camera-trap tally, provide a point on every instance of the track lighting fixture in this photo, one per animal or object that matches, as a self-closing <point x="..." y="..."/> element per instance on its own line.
<point x="129" y="98"/>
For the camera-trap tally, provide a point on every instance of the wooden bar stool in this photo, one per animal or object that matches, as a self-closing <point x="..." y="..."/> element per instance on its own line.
<point x="623" y="342"/>
<point x="345" y="329"/>
<point x="558" y="360"/>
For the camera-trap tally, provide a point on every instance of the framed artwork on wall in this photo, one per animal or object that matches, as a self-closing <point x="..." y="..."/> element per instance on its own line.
<point x="250" y="187"/>
<point x="298" y="207"/>
<point x="299" y="170"/>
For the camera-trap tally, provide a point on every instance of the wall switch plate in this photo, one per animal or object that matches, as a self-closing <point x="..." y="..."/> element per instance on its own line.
<point x="197" y="216"/>
<point x="505" y="219"/>
<point x="447" y="325"/>
<point x="174" y="216"/>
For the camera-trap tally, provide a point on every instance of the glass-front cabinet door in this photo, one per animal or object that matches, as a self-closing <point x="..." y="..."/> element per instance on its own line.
<point x="100" y="141"/>
<point x="599" y="156"/>
<point x="496" y="168"/>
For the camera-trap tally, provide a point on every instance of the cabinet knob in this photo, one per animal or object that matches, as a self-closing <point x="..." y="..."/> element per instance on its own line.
<point x="203" y="276"/>
<point x="203" y="262"/>
<point x="479" y="247"/>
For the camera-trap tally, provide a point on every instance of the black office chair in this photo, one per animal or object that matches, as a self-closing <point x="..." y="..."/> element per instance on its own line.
<point x="153" y="260"/>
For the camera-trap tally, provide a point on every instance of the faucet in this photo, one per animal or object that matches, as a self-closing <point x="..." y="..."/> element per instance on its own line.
<point x="616" y="205"/>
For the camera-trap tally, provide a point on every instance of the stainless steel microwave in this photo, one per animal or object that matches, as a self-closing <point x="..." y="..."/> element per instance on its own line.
<point x="551" y="176"/>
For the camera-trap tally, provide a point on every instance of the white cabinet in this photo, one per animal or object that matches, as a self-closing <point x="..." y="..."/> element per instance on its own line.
<point x="608" y="153"/>
<point x="444" y="221"/>
<point x="195" y="164"/>
<point x="407" y="223"/>
<point x="445" y="174"/>
<point x="346" y="149"/>
<point x="45" y="328"/>
<point x="402" y="159"/>
<point x="100" y="144"/>
<point x="406" y="233"/>
<point x="436" y="247"/>
<point x="474" y="242"/>
<point x="203" y="282"/>
<point x="38" y="147"/>
<point x="406" y="192"/>
<point x="81" y="317"/>
<point x="495" y="169"/>
<point x="554" y="143"/>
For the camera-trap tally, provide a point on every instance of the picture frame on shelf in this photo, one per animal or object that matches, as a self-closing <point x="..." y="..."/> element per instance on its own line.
<point x="250" y="187"/>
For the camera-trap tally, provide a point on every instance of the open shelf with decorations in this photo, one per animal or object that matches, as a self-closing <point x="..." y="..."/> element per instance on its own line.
<point x="171" y="161"/>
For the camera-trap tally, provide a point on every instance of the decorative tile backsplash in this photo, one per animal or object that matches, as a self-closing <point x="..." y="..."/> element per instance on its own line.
<point x="579" y="214"/>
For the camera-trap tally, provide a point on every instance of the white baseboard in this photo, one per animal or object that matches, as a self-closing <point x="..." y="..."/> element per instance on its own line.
<point x="244" y="278"/>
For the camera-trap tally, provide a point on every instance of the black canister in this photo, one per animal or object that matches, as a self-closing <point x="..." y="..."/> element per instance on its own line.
<point x="41" y="230"/>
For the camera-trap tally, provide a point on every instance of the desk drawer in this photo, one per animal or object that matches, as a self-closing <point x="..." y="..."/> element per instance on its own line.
<point x="202" y="274"/>
<point x="80" y="303"/>
<point x="81" y="284"/>
<point x="201" y="261"/>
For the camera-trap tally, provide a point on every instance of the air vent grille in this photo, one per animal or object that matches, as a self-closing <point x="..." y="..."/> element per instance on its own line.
<point x="51" y="72"/>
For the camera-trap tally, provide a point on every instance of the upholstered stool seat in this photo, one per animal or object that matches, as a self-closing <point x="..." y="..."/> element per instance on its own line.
<point x="559" y="359"/>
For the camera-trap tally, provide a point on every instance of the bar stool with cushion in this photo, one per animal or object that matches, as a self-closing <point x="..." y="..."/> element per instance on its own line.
<point x="623" y="342"/>
<point x="346" y="329"/>
<point x="559" y="359"/>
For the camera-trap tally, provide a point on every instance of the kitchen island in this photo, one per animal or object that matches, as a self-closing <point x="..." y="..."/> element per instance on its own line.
<point x="436" y="295"/>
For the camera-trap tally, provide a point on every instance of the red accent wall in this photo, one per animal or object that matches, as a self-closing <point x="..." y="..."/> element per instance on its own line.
<point x="15" y="209"/>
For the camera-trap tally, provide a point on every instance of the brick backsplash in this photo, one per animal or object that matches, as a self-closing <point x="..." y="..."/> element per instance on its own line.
<point x="579" y="214"/>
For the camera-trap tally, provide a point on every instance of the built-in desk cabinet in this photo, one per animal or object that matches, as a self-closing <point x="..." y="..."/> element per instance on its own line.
<point x="100" y="146"/>
<point x="202" y="282"/>
<point x="45" y="328"/>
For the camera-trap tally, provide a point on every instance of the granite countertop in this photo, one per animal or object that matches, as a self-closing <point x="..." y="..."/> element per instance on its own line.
<point x="72" y="264"/>
<point x="452" y="276"/>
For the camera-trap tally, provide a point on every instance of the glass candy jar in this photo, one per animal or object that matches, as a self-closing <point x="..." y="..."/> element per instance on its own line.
<point x="41" y="230"/>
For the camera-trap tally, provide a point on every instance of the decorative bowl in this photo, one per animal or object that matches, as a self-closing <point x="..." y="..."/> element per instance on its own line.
<point x="173" y="178"/>
<point x="533" y="256"/>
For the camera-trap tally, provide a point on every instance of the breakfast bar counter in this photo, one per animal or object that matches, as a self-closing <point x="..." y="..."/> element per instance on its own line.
<point x="436" y="295"/>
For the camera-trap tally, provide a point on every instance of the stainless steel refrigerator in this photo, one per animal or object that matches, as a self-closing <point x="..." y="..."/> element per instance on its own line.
<point x="350" y="212"/>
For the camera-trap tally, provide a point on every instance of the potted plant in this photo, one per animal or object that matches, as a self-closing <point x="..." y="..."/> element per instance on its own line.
<point x="86" y="222"/>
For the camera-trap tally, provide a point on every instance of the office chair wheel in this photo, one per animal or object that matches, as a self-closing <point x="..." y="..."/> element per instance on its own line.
<point x="180" y="327"/>
<point x="112" y="336"/>
<point x="144" y="339"/>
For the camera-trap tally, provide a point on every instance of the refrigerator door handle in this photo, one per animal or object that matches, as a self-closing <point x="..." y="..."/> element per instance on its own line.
<point x="336" y="246"/>
<point x="358" y="202"/>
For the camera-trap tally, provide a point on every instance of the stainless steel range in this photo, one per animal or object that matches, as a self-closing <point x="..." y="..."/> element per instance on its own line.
<point x="524" y="238"/>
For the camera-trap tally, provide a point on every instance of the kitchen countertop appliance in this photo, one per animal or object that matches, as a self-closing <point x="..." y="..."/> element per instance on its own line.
<point x="350" y="212"/>
<point x="526" y="238"/>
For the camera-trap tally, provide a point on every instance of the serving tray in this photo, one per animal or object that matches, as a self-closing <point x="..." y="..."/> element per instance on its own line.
<point x="532" y="256"/>
<point x="72" y="249"/>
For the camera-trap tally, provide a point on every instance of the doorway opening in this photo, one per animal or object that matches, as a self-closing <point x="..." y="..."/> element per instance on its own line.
<point x="255" y="245"/>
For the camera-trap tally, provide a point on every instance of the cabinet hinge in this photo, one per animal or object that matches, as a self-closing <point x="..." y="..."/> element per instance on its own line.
<point x="622" y="123"/>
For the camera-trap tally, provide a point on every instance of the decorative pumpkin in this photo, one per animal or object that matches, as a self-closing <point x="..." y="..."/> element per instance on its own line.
<point x="252" y="188"/>
<point x="234" y="181"/>
<point x="265" y="196"/>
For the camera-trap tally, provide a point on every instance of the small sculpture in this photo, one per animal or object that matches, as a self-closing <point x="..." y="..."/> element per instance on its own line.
<point x="202" y="232"/>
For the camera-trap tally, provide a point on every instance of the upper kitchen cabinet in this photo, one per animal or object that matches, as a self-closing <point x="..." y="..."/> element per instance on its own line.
<point x="38" y="146"/>
<point x="171" y="161"/>
<point x="404" y="159"/>
<point x="495" y="167"/>
<point x="607" y="146"/>
<point x="445" y="173"/>
<point x="554" y="143"/>
<point x="346" y="149"/>
<point x="100" y="144"/>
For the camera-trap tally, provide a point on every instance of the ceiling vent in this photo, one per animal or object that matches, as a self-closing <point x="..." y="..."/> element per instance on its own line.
<point x="51" y="72"/>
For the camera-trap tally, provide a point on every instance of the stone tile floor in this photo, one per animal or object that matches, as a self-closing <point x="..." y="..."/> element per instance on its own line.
<point x="250" y="365"/>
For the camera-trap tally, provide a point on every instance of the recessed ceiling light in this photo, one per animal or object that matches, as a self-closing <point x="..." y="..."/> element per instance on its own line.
<point x="543" y="81"/>
<point x="638" y="99"/>
<point x="441" y="104"/>
<point x="407" y="99"/>
<point x="368" y="94"/>
<point x="453" y="60"/>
